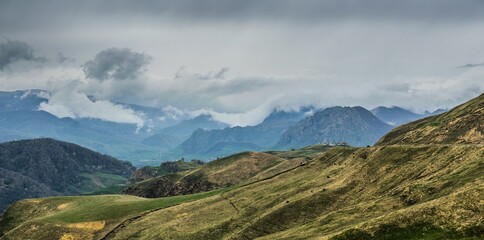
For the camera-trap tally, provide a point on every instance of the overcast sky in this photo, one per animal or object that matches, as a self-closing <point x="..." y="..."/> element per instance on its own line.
<point x="240" y="59"/>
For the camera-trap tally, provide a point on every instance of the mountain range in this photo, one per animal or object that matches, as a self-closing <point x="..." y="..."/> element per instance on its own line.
<point x="174" y="135"/>
<point x="396" y="116"/>
<point x="20" y="118"/>
<point x="422" y="180"/>
<point x="222" y="142"/>
<point x="200" y="137"/>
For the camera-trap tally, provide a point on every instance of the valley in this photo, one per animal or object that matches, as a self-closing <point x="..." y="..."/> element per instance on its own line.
<point x="169" y="138"/>
<point x="241" y="120"/>
<point x="397" y="189"/>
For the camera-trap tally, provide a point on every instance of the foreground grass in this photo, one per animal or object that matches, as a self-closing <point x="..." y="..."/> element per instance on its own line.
<point x="82" y="214"/>
<point x="115" y="206"/>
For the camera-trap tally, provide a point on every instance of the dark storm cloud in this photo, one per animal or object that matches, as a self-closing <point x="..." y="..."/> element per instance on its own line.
<point x="57" y="12"/>
<point x="15" y="51"/>
<point x="471" y="65"/>
<point x="117" y="64"/>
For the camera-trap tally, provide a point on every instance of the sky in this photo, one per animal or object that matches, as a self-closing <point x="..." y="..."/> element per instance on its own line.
<point x="238" y="60"/>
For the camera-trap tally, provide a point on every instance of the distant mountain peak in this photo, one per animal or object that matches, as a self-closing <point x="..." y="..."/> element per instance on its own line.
<point x="204" y="116"/>
<point x="395" y="115"/>
<point x="354" y="125"/>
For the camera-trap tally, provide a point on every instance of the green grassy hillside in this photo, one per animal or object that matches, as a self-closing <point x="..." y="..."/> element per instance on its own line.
<point x="85" y="217"/>
<point x="463" y="124"/>
<point x="348" y="193"/>
<point x="163" y="169"/>
<point x="219" y="173"/>
<point x="389" y="192"/>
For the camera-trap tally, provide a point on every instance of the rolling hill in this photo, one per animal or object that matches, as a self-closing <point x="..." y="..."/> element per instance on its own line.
<point x="224" y="172"/>
<point x="165" y="168"/>
<point x="394" y="190"/>
<point x="46" y="167"/>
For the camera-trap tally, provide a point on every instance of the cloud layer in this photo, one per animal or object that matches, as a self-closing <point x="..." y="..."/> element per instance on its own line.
<point x="70" y="102"/>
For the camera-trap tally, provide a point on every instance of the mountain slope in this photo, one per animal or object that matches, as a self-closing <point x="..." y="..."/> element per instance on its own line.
<point x="116" y="139"/>
<point x="46" y="167"/>
<point x="173" y="136"/>
<point x="219" y="173"/>
<point x="390" y="192"/>
<point x="21" y="100"/>
<point x="382" y="191"/>
<point x="20" y="118"/>
<point x="184" y="129"/>
<point x="395" y="115"/>
<point x="462" y="124"/>
<point x="236" y="139"/>
<point x="165" y="168"/>
<point x="400" y="191"/>
<point x="354" y="125"/>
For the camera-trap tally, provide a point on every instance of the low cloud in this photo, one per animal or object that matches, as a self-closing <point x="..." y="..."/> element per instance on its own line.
<point x="16" y="51"/>
<point x="71" y="102"/>
<point x="173" y="113"/>
<point x="116" y="64"/>
<point x="186" y="90"/>
<point x="251" y="117"/>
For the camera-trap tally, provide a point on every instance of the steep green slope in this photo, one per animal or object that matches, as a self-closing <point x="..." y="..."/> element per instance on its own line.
<point x="463" y="124"/>
<point x="46" y="167"/>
